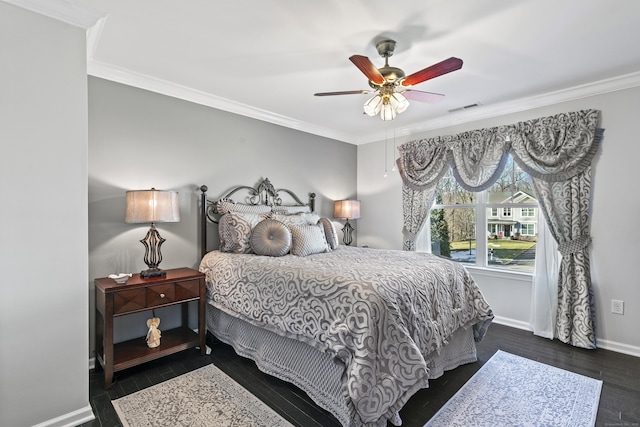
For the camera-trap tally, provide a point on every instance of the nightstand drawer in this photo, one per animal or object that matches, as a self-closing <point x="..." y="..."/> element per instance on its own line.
<point x="125" y="301"/>
<point x="161" y="294"/>
<point x="187" y="289"/>
<point x="172" y="292"/>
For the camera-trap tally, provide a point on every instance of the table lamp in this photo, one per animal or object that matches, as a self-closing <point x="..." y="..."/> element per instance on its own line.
<point x="347" y="209"/>
<point x="151" y="206"/>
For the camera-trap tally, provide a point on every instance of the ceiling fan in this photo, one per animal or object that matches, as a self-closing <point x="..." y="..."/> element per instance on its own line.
<point x="389" y="83"/>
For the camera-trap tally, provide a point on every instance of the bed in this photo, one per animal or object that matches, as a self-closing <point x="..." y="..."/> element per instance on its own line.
<point x="359" y="330"/>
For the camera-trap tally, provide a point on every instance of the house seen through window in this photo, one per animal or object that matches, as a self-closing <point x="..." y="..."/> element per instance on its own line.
<point x="496" y="228"/>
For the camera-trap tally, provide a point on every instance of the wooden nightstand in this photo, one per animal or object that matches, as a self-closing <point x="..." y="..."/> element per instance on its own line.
<point x="180" y="286"/>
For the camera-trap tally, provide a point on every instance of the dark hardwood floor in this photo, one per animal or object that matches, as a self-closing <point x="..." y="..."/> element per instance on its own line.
<point x="619" y="402"/>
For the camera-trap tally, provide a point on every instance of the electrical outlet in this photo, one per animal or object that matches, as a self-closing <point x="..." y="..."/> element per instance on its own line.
<point x="617" y="306"/>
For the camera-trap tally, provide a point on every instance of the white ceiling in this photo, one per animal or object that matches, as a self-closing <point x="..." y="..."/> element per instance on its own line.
<point x="266" y="58"/>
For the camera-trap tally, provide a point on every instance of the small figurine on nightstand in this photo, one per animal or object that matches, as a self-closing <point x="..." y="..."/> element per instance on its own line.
<point x="153" y="336"/>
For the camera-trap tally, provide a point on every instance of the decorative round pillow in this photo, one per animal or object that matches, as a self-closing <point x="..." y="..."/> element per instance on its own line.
<point x="270" y="238"/>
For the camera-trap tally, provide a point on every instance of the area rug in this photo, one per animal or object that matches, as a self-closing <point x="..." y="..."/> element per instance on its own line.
<point x="206" y="397"/>
<point x="510" y="390"/>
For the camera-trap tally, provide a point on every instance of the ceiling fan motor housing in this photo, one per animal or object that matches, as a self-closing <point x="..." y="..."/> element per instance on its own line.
<point x="386" y="47"/>
<point x="391" y="74"/>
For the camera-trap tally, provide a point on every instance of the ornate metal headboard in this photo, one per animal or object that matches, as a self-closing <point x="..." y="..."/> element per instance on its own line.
<point x="262" y="194"/>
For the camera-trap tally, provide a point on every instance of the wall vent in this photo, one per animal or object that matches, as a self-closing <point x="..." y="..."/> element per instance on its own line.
<point x="466" y="107"/>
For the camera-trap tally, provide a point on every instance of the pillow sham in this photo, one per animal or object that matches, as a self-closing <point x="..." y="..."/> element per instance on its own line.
<point x="312" y="218"/>
<point x="307" y="240"/>
<point x="289" y="220"/>
<point x="235" y="230"/>
<point x="224" y="207"/>
<point x="270" y="238"/>
<point x="289" y="210"/>
<point x="329" y="232"/>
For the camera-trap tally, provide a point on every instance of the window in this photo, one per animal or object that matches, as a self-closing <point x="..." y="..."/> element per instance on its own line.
<point x="495" y="228"/>
<point x="527" y="211"/>
<point x="528" y="229"/>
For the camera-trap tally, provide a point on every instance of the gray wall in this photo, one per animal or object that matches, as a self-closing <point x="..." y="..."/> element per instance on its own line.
<point x="139" y="139"/>
<point x="43" y="248"/>
<point x="616" y="238"/>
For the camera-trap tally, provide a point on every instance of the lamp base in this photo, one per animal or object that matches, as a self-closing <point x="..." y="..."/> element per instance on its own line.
<point x="152" y="255"/>
<point x="348" y="232"/>
<point x="152" y="272"/>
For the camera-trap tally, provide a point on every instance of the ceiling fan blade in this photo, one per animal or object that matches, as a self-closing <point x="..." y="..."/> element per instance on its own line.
<point x="444" y="67"/>
<point x="418" y="95"/>
<point x="345" y="92"/>
<point x="368" y="69"/>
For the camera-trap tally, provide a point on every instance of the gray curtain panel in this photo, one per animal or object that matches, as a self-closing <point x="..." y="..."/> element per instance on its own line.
<point x="557" y="151"/>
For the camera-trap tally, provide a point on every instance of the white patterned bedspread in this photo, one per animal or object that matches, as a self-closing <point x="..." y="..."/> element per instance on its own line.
<point x="382" y="312"/>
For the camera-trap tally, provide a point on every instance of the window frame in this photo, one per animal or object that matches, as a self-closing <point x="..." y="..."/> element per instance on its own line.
<point x="481" y="207"/>
<point x="528" y="224"/>
<point x="530" y="212"/>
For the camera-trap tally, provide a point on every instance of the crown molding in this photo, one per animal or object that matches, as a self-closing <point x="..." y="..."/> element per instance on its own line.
<point x="93" y="37"/>
<point x="68" y="11"/>
<point x="614" y="84"/>
<point x="143" y="81"/>
<point x="153" y="84"/>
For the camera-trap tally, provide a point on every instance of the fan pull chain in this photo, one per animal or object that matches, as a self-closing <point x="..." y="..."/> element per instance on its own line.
<point x="385" y="151"/>
<point x="393" y="169"/>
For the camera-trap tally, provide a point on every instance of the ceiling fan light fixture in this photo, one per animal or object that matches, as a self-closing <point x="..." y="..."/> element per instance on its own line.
<point x="399" y="102"/>
<point x="388" y="112"/>
<point x="373" y="105"/>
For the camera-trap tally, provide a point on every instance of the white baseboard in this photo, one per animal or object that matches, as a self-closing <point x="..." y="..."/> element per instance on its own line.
<point x="518" y="324"/>
<point x="631" y="350"/>
<point x="75" y="418"/>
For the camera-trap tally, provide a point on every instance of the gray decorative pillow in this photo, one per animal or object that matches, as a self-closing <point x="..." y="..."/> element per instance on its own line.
<point x="227" y="206"/>
<point x="289" y="210"/>
<point x="330" y="232"/>
<point x="235" y="230"/>
<point x="270" y="238"/>
<point x="308" y="240"/>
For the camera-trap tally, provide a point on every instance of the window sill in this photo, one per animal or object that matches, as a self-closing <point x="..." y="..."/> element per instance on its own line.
<point x="504" y="274"/>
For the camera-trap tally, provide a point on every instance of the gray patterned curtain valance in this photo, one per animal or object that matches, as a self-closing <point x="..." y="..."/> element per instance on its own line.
<point x="556" y="148"/>
<point x="557" y="151"/>
<point x="551" y="148"/>
<point x="423" y="162"/>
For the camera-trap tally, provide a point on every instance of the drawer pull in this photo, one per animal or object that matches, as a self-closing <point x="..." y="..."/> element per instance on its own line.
<point x="161" y="295"/>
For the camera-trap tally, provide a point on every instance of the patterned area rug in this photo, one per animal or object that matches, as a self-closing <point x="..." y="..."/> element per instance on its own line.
<point x="205" y="397"/>
<point x="510" y="390"/>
